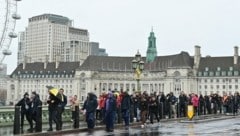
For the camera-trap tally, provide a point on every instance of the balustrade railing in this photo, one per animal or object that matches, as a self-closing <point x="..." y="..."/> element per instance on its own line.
<point x="7" y="115"/>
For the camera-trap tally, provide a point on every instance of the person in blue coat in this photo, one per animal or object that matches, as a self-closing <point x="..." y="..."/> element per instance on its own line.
<point x="111" y="107"/>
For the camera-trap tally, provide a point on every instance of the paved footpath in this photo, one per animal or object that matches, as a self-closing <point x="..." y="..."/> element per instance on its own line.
<point x="100" y="130"/>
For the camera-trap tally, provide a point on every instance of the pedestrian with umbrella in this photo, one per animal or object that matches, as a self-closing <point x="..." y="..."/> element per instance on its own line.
<point x="54" y="99"/>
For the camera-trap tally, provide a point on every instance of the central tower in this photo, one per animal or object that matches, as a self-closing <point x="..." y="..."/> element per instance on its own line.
<point x="151" y="50"/>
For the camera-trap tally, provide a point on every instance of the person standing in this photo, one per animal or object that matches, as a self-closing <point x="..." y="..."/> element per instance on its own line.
<point x="25" y="105"/>
<point x="61" y="107"/>
<point x="33" y="110"/>
<point x="183" y="101"/>
<point x="53" y="103"/>
<point x="162" y="105"/>
<point x="153" y="105"/>
<point x="125" y="107"/>
<point x="111" y="107"/>
<point x="74" y="102"/>
<point x="90" y="105"/>
<point x="144" y="109"/>
<point x="172" y="101"/>
<point x="195" y="102"/>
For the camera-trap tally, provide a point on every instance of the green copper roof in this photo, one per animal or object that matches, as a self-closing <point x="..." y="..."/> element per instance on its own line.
<point x="152" y="50"/>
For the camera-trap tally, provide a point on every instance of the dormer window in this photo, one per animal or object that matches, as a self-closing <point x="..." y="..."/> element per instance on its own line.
<point x="218" y="69"/>
<point x="206" y="68"/>
<point x="211" y="73"/>
<point x="231" y="68"/>
<point x="223" y="73"/>
<point x="199" y="73"/>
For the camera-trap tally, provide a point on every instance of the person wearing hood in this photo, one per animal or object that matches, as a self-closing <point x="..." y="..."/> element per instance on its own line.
<point x="111" y="107"/>
<point x="25" y="105"/>
<point x="90" y="105"/>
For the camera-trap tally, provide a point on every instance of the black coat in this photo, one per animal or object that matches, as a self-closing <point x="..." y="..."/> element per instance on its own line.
<point x="34" y="104"/>
<point x="183" y="99"/>
<point x="143" y="105"/>
<point x="25" y="104"/>
<point x="90" y="104"/>
<point x="126" y="102"/>
<point x="53" y="102"/>
<point x="153" y="105"/>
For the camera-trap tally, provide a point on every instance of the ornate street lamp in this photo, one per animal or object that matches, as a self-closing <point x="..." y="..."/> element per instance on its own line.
<point x="138" y="66"/>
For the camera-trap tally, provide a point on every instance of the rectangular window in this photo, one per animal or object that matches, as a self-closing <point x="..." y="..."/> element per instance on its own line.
<point x="217" y="73"/>
<point x="205" y="80"/>
<point x="205" y="73"/>
<point x="230" y="73"/>
<point x="199" y="73"/>
<point x="223" y="73"/>
<point x="236" y="73"/>
<point x="211" y="80"/>
<point x="211" y="73"/>
<point x="211" y="86"/>
<point x="223" y="80"/>
<point x="230" y="80"/>
<point x="223" y="86"/>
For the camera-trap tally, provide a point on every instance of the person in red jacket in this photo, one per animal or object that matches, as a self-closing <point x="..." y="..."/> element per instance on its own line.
<point x="102" y="101"/>
<point x="195" y="102"/>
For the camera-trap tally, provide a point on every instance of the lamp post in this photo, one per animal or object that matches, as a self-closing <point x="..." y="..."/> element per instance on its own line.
<point x="138" y="66"/>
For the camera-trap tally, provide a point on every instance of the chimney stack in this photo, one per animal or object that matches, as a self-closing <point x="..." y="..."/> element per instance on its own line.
<point x="24" y="62"/>
<point x="197" y="56"/>
<point x="46" y="62"/>
<point x="57" y="61"/>
<point x="235" y="58"/>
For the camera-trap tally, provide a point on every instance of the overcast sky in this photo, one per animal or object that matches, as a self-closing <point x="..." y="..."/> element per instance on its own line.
<point x="122" y="26"/>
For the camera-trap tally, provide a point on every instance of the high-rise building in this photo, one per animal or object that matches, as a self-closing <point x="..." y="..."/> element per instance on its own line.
<point x="74" y="51"/>
<point x="94" y="48"/>
<point x="43" y="37"/>
<point x="21" y="47"/>
<point x="102" y="52"/>
<point x="49" y="37"/>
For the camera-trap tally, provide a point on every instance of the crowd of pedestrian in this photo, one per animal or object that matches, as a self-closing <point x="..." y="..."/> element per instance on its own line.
<point x="116" y="107"/>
